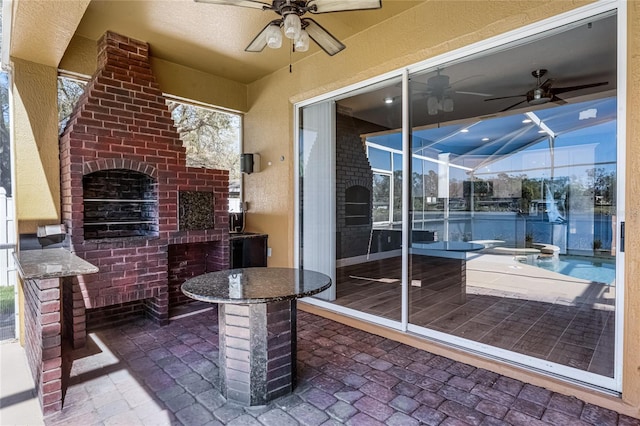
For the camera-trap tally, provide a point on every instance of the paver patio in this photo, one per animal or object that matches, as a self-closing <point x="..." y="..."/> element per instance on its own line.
<point x="140" y="373"/>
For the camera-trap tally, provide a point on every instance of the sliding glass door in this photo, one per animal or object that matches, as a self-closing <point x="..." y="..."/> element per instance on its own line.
<point x="510" y="186"/>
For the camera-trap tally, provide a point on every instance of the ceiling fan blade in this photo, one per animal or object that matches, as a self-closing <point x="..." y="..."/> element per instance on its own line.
<point x="513" y="106"/>
<point x="462" y="92"/>
<point x="505" y="97"/>
<point x="557" y="100"/>
<point x="466" y="78"/>
<point x="579" y="87"/>
<point x="324" y="6"/>
<point x="325" y="40"/>
<point x="259" y="42"/>
<point x="418" y="86"/>
<point x="254" y="4"/>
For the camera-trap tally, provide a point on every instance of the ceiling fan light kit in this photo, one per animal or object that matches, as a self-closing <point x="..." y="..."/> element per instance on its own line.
<point x="273" y="36"/>
<point x="292" y="26"/>
<point x="295" y="27"/>
<point x="302" y="42"/>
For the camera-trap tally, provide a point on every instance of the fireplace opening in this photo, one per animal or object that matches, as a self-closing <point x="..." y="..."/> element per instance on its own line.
<point x="119" y="203"/>
<point x="357" y="206"/>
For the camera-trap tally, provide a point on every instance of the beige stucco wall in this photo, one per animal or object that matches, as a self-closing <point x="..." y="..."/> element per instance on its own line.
<point x="429" y="29"/>
<point x="36" y="145"/>
<point x="174" y="79"/>
<point x="425" y="31"/>
<point x="631" y="364"/>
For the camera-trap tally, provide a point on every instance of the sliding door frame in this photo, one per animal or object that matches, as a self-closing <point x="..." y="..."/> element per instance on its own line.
<point x="602" y="383"/>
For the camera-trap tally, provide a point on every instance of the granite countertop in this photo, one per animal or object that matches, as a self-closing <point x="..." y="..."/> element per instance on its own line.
<point x="255" y="285"/>
<point x="51" y="263"/>
<point x="238" y="235"/>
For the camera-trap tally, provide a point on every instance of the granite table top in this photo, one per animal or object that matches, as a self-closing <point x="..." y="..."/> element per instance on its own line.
<point x="51" y="263"/>
<point x="255" y="285"/>
<point x="448" y="249"/>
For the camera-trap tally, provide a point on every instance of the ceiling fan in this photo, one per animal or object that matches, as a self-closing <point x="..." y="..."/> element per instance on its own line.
<point x="439" y="90"/>
<point x="295" y="27"/>
<point x="544" y="92"/>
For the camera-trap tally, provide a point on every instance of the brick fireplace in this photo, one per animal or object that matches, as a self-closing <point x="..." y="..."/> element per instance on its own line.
<point x="123" y="171"/>
<point x="354" y="179"/>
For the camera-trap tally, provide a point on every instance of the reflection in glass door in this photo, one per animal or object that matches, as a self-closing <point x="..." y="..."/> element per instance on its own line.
<point x="512" y="205"/>
<point x="368" y="202"/>
<point x="514" y="224"/>
<point x="518" y="252"/>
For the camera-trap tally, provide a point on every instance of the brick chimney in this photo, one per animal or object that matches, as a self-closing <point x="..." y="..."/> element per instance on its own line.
<point x="122" y="172"/>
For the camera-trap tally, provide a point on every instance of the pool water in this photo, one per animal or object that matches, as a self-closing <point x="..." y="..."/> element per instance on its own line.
<point x="586" y="268"/>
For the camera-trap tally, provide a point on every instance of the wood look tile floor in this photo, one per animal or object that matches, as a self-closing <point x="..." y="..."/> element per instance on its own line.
<point x="574" y="328"/>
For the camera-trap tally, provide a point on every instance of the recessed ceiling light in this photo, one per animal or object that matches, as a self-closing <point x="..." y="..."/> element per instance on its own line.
<point x="526" y="120"/>
<point x="485" y="139"/>
<point x="388" y="100"/>
<point x="541" y="131"/>
<point x="464" y="131"/>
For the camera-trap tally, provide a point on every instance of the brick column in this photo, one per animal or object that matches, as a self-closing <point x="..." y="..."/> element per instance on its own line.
<point x="74" y="312"/>
<point x="43" y="340"/>
<point x="157" y="307"/>
<point x="257" y="351"/>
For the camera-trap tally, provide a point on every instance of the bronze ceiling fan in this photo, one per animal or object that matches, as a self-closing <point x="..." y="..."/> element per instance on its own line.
<point x="295" y="27"/>
<point x="543" y="92"/>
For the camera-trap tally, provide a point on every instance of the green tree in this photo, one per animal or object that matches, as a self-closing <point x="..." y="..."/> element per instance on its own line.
<point x="211" y="138"/>
<point x="69" y="92"/>
<point x="603" y="183"/>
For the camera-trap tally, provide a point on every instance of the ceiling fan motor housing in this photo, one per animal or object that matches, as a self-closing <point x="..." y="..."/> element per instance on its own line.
<point x="539" y="96"/>
<point x="284" y="7"/>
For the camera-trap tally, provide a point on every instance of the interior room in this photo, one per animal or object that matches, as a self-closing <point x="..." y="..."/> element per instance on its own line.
<point x="459" y="174"/>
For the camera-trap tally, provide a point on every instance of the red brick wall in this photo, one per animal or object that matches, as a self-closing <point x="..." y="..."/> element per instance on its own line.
<point x="42" y="341"/>
<point x="122" y="122"/>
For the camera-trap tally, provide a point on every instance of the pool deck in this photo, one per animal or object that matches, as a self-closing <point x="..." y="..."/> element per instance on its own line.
<point x="501" y="275"/>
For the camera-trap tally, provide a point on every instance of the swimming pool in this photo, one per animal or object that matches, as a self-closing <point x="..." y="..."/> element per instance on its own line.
<point x="583" y="267"/>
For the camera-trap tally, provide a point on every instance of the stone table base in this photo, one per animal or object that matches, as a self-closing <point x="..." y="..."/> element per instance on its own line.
<point x="257" y="351"/>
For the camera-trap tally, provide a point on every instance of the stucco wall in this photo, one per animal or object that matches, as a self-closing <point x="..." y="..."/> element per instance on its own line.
<point x="36" y="135"/>
<point x="432" y="28"/>
<point x="425" y="31"/>
<point x="174" y="79"/>
<point x="631" y="366"/>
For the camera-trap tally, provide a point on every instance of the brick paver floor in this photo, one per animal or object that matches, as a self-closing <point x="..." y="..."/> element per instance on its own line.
<point x="143" y="374"/>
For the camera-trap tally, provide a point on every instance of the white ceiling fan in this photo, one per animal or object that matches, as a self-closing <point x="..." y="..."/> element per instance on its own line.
<point x="295" y="27"/>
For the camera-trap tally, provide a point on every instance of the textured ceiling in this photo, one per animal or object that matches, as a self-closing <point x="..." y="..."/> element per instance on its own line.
<point x="212" y="38"/>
